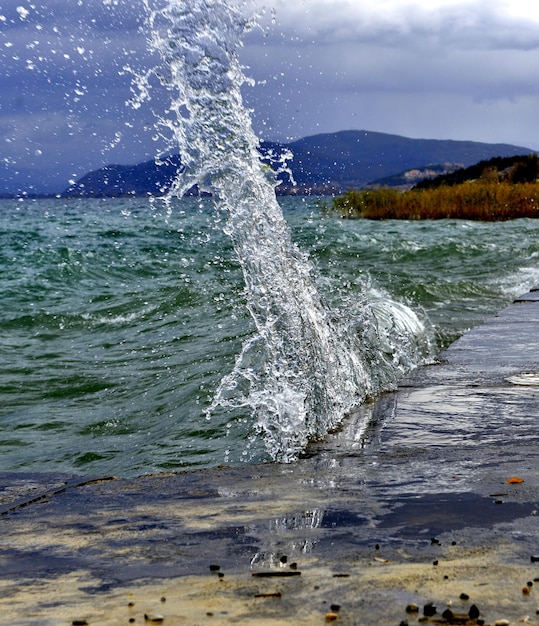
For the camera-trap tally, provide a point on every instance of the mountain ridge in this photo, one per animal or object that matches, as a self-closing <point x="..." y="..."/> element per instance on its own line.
<point x="322" y="163"/>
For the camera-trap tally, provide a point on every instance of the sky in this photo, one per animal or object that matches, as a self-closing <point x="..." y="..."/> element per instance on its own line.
<point x="442" y="69"/>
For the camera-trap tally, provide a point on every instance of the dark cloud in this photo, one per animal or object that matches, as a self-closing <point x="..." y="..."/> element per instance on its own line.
<point x="461" y="69"/>
<point x="64" y="89"/>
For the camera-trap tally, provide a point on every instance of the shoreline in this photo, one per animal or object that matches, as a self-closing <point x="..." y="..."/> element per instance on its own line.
<point x="409" y="510"/>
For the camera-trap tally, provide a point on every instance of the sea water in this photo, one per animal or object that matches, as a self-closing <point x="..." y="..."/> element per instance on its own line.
<point x="120" y="318"/>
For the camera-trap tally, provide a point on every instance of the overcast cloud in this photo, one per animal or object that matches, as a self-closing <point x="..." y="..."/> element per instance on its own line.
<point x="465" y="69"/>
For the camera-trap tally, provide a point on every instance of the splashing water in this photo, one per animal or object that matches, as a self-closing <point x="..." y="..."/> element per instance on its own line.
<point x="304" y="369"/>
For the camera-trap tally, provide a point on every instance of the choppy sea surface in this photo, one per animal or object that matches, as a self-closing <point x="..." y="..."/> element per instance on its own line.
<point x="119" y="318"/>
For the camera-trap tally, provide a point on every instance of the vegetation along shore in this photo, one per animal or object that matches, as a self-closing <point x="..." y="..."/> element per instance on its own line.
<point x="498" y="189"/>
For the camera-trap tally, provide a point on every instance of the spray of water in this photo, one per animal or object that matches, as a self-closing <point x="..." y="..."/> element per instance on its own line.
<point x="304" y="369"/>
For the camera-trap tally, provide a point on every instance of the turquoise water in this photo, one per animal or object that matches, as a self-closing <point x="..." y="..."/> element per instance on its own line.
<point x="119" y="320"/>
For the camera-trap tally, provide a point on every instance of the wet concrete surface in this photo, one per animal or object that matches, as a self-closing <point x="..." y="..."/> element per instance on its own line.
<point x="411" y="508"/>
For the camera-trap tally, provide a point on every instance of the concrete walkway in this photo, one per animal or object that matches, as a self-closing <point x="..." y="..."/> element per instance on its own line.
<point x="412" y="509"/>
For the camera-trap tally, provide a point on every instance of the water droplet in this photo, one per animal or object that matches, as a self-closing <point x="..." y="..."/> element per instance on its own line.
<point x="23" y="13"/>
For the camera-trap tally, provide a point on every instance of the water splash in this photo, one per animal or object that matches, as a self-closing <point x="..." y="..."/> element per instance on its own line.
<point x="305" y="369"/>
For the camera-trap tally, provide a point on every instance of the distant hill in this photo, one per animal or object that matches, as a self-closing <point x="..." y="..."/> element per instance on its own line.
<point x="148" y="178"/>
<point x="325" y="163"/>
<point x="410" y="178"/>
<point x="522" y="168"/>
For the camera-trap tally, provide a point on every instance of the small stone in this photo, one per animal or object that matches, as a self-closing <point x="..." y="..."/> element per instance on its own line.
<point x="403" y="623"/>
<point x="473" y="613"/>
<point x="215" y="568"/>
<point x="79" y="622"/>
<point x="529" y="583"/>
<point x="526" y="591"/>
<point x="502" y="622"/>
<point x="331" y="617"/>
<point x="534" y="558"/>
<point x="464" y="596"/>
<point x="434" y="541"/>
<point x="293" y="565"/>
<point x="435" y="562"/>
<point x="163" y="599"/>
<point x="132" y="620"/>
<point x="412" y="608"/>
<point x="448" y="615"/>
<point x="335" y="608"/>
<point x="153" y="617"/>
<point x="429" y="609"/>
<point x="209" y="614"/>
<point x="377" y="546"/>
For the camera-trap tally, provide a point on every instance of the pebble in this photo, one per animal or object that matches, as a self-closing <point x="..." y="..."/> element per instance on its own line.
<point x="412" y="608"/>
<point x="79" y="622"/>
<point x="473" y="613"/>
<point x="534" y="558"/>
<point x="429" y="609"/>
<point x="464" y="596"/>
<point x="331" y="617"/>
<point x="153" y="617"/>
<point x="502" y="622"/>
<point x="215" y="568"/>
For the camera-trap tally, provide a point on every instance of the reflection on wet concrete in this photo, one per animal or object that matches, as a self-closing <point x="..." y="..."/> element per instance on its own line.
<point x="432" y="515"/>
